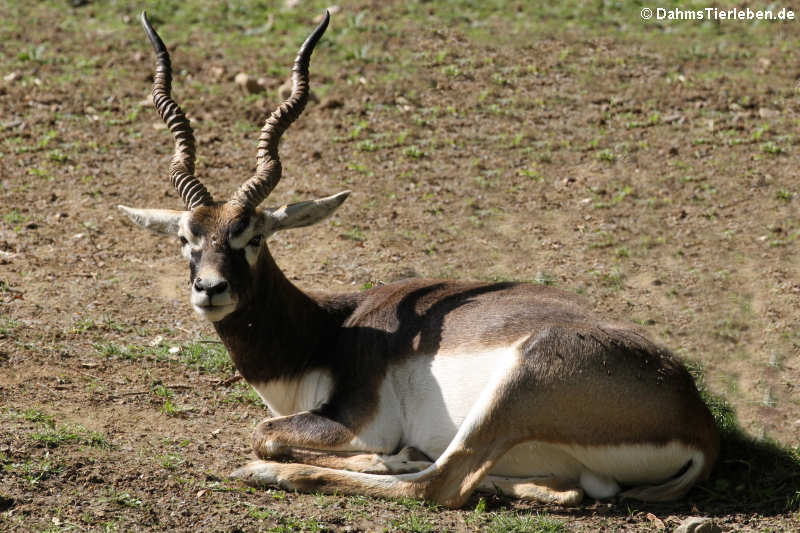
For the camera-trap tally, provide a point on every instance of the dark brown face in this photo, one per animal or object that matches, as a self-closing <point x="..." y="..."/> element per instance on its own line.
<point x="222" y="243"/>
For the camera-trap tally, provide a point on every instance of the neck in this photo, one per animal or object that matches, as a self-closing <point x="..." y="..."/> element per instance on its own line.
<point x="278" y="330"/>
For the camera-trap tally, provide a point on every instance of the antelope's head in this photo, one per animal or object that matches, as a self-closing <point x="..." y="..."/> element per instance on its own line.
<point x="224" y="242"/>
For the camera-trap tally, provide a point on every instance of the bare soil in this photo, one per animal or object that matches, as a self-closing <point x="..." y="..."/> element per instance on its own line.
<point x="649" y="167"/>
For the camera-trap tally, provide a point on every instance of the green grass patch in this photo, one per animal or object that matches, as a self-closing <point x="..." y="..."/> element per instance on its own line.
<point x="414" y="522"/>
<point x="32" y="471"/>
<point x="55" y="436"/>
<point x="242" y="392"/>
<point x="206" y="356"/>
<point x="525" y="523"/>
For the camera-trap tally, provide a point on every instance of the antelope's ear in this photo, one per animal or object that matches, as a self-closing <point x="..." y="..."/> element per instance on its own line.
<point x="156" y="220"/>
<point x="303" y="213"/>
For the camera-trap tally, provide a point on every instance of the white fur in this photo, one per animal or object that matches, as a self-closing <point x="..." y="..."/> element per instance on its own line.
<point x="435" y="394"/>
<point x="289" y="396"/>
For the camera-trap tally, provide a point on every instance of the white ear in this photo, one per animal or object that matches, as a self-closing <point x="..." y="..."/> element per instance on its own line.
<point x="157" y="220"/>
<point x="303" y="213"/>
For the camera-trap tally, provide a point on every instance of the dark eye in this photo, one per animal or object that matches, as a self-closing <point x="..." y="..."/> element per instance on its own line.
<point x="184" y="242"/>
<point x="255" y="241"/>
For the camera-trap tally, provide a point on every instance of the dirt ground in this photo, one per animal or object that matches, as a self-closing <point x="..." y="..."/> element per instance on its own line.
<point x="650" y="166"/>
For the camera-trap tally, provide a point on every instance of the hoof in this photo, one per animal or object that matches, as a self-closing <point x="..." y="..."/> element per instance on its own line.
<point x="257" y="474"/>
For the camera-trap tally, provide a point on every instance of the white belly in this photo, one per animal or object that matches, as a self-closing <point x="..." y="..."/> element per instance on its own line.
<point x="632" y="464"/>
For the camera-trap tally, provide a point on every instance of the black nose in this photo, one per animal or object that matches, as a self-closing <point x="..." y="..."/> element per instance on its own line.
<point x="210" y="286"/>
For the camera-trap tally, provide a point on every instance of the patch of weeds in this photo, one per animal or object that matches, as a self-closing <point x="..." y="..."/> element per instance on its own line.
<point x="413" y="152"/>
<point x="34" y="472"/>
<point x="410" y="503"/>
<point x="354" y="234"/>
<point x="40" y="173"/>
<point x="527" y="523"/>
<point x="277" y="494"/>
<point x="415" y="523"/>
<point x="34" y="54"/>
<point x="111" y="350"/>
<point x="38" y="417"/>
<point x="171" y="409"/>
<point x="606" y="155"/>
<point x="123" y="498"/>
<point x="14" y="217"/>
<point x="530" y="174"/>
<point x="356" y="130"/>
<point x="207" y="356"/>
<point x="619" y="196"/>
<point x="543" y="278"/>
<point x="602" y="239"/>
<point x="367" y="146"/>
<point x="260" y="514"/>
<point x="783" y="242"/>
<point x="649" y="243"/>
<point x="358" y="500"/>
<point x="58" y="156"/>
<point x="783" y="194"/>
<point x="451" y="70"/>
<point x="7" y="326"/>
<point x="52" y="437"/>
<point x="170" y="461"/>
<point x="770" y="147"/>
<point x="360" y="168"/>
<point x="760" y="131"/>
<point x="243" y="393"/>
<point x="613" y="279"/>
<point x="730" y="329"/>
<point x="82" y="325"/>
<point x="652" y="120"/>
<point x="163" y="392"/>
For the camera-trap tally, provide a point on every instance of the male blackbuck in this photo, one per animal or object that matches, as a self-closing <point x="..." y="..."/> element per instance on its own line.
<point x="423" y="388"/>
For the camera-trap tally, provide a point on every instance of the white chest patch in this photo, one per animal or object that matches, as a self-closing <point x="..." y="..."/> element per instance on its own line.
<point x="287" y="396"/>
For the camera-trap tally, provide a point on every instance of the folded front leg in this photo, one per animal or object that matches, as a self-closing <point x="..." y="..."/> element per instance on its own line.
<point x="309" y="430"/>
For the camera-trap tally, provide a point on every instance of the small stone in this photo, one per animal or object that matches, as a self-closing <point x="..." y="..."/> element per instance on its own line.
<point x="217" y="72"/>
<point x="331" y="103"/>
<point x="656" y="521"/>
<point x="698" y="524"/>
<point x="147" y="102"/>
<point x="765" y="112"/>
<point x="11" y="77"/>
<point x="247" y="83"/>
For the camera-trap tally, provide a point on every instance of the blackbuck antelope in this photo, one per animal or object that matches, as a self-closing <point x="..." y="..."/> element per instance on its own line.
<point x="423" y="388"/>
